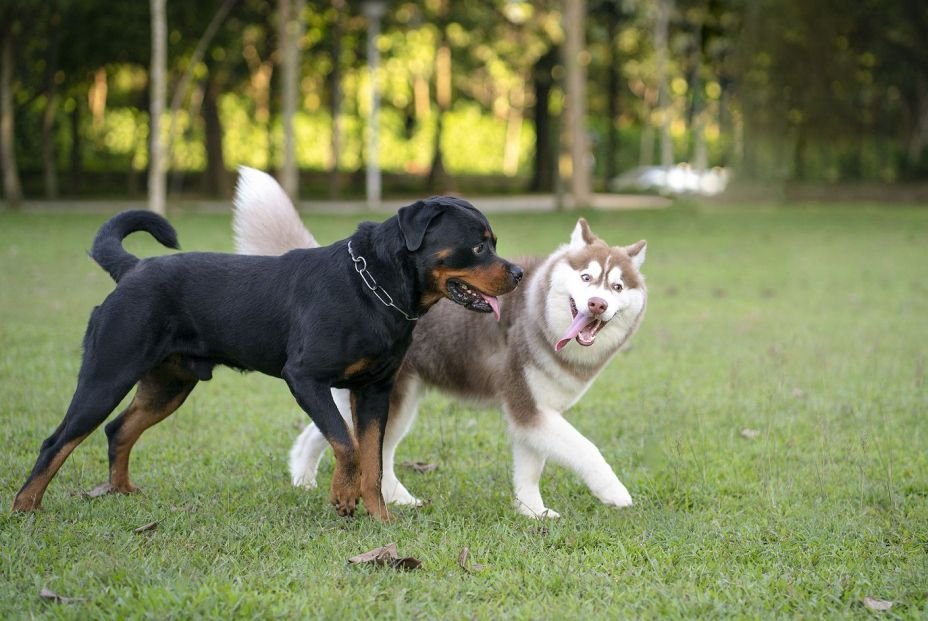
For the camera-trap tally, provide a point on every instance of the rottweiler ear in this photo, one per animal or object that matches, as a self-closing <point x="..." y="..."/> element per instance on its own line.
<point x="414" y="220"/>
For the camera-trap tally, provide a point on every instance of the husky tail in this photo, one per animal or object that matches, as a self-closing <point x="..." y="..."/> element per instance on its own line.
<point x="107" y="248"/>
<point x="265" y="221"/>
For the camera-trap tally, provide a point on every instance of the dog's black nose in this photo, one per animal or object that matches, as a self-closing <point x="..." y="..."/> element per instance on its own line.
<point x="516" y="272"/>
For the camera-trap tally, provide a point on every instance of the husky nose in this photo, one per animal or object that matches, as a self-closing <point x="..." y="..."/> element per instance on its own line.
<point x="597" y="306"/>
<point x="516" y="272"/>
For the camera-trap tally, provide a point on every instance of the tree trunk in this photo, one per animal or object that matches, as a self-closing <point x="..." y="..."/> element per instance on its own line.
<point x="612" y="67"/>
<point x="176" y="184"/>
<point x="543" y="173"/>
<point x="799" y="154"/>
<point x="660" y="47"/>
<point x="156" y="176"/>
<point x="574" y="46"/>
<point x="438" y="180"/>
<point x="646" y="146"/>
<point x="49" y="160"/>
<point x="75" y="156"/>
<point x="12" y="189"/>
<point x="217" y="177"/>
<point x="198" y="52"/>
<point x="291" y="31"/>
<point x="919" y="136"/>
<point x="335" y="90"/>
<point x="514" y="129"/>
<point x="698" y="110"/>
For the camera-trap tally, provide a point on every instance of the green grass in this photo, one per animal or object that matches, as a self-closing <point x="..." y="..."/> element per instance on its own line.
<point x="807" y="324"/>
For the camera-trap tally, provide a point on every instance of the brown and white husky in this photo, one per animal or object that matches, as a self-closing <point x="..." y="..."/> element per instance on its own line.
<point x="526" y="363"/>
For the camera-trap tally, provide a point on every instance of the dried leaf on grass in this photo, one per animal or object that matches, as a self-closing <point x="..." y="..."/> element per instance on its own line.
<point x="419" y="466"/>
<point x="149" y="526"/>
<point x="880" y="605"/>
<point x="50" y="595"/>
<point x="386" y="555"/>
<point x="468" y="567"/>
<point x="101" y="490"/>
<point x="750" y="434"/>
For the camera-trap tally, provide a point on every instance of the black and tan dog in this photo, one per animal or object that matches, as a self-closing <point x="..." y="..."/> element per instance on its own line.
<point x="340" y="316"/>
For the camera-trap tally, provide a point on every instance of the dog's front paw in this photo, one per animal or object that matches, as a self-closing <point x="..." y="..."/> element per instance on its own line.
<point x="616" y="496"/>
<point x="395" y="493"/>
<point x="344" y="505"/>
<point x="536" y="513"/>
<point x="304" y="480"/>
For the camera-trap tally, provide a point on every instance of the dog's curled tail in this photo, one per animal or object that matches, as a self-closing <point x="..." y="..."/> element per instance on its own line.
<point x="107" y="247"/>
<point x="264" y="220"/>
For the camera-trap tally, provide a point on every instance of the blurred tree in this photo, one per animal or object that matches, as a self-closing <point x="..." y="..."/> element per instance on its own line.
<point x="8" y="30"/>
<point x="196" y="56"/>
<point x="291" y="32"/>
<point x="576" y="59"/>
<point x="156" y="170"/>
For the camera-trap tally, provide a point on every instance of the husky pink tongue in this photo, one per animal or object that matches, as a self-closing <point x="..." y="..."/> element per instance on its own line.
<point x="580" y="322"/>
<point x="493" y="302"/>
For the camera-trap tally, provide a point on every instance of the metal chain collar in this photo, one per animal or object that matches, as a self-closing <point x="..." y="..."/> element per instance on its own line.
<point x="360" y="266"/>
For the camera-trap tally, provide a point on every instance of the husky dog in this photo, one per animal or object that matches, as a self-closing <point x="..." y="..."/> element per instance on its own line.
<point x="525" y="363"/>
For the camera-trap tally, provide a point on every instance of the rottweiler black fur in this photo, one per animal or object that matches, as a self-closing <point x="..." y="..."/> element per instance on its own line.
<point x="306" y="317"/>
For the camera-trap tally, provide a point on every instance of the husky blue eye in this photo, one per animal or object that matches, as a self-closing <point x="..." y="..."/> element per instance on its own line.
<point x="586" y="277"/>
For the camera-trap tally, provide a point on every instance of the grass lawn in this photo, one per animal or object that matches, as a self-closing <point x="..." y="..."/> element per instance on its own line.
<point x="807" y="324"/>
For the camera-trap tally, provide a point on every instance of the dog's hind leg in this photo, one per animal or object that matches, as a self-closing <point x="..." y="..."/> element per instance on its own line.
<point x="404" y="405"/>
<point x="160" y="392"/>
<point x="310" y="445"/>
<point x="527" y="466"/>
<point x="96" y="395"/>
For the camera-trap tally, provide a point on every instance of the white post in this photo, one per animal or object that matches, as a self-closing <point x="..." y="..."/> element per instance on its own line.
<point x="373" y="11"/>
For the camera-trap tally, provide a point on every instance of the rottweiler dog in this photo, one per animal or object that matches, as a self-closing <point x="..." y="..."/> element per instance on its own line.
<point x="336" y="316"/>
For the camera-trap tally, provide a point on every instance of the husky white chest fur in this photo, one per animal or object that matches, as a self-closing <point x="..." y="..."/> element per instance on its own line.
<point x="555" y="334"/>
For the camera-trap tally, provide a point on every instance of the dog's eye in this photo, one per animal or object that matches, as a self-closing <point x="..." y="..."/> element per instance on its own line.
<point x="586" y="277"/>
<point x="478" y="248"/>
<point x="617" y="286"/>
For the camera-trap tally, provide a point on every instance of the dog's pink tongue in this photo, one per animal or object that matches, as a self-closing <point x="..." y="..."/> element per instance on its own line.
<point x="493" y="302"/>
<point x="579" y="323"/>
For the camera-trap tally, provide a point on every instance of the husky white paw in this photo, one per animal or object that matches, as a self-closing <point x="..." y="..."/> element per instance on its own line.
<point x="617" y="496"/>
<point x="539" y="513"/>
<point x="397" y="494"/>
<point x="304" y="480"/>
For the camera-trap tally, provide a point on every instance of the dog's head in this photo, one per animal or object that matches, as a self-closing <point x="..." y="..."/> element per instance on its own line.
<point x="455" y="251"/>
<point x="594" y="284"/>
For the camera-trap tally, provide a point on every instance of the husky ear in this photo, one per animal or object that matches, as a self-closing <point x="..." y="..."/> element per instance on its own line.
<point x="637" y="251"/>
<point x="582" y="235"/>
<point x="414" y="220"/>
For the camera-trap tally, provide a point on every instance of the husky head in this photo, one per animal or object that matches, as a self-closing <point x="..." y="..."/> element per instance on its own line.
<point x="595" y="286"/>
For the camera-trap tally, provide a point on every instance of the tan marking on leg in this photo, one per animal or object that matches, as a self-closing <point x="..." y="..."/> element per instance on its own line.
<point x="30" y="497"/>
<point x="356" y="367"/>
<point x="159" y="394"/>
<point x="346" y="480"/>
<point x="369" y="443"/>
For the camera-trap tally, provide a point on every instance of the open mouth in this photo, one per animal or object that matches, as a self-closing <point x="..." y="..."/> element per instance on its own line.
<point x="472" y="298"/>
<point x="584" y="328"/>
